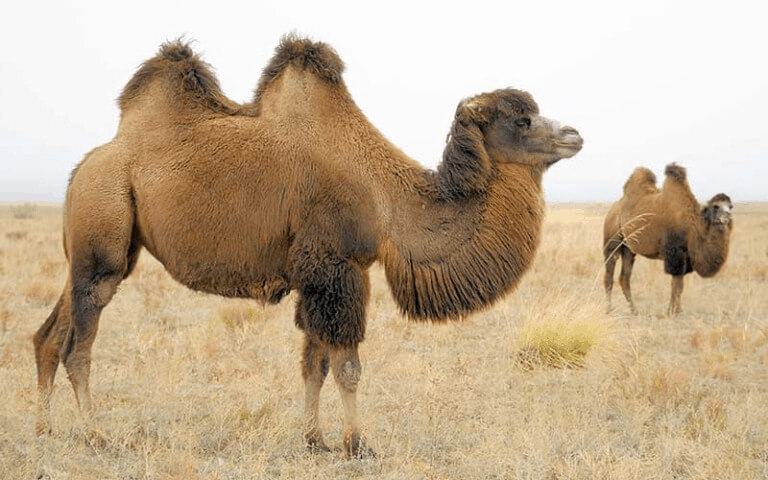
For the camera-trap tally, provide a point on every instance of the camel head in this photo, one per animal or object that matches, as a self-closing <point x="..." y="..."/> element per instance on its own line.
<point x="717" y="211"/>
<point x="513" y="131"/>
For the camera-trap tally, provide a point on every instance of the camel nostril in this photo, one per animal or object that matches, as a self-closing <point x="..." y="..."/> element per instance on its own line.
<point x="568" y="131"/>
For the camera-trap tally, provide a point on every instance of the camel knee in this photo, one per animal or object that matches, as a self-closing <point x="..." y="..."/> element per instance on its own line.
<point x="94" y="283"/>
<point x="90" y="296"/>
<point x="348" y="375"/>
<point x="608" y="283"/>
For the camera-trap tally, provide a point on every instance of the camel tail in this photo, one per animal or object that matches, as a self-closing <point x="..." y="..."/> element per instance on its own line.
<point x="177" y="63"/>
<point x="317" y="57"/>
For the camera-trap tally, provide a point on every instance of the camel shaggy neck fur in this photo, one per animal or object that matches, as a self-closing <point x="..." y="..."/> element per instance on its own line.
<point x="297" y="191"/>
<point x="666" y="224"/>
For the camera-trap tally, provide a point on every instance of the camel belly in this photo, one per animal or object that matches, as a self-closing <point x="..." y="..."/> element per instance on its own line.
<point x="644" y="245"/>
<point x="221" y="279"/>
<point x="263" y="276"/>
<point x="220" y="248"/>
<point x="641" y="234"/>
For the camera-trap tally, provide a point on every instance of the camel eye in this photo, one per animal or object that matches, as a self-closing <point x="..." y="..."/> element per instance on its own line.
<point x="523" y="122"/>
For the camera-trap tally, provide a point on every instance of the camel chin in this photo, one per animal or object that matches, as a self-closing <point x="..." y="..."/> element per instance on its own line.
<point x="564" y="150"/>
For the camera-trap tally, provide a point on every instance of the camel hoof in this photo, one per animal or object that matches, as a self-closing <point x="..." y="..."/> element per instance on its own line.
<point x="315" y="447"/>
<point x="356" y="448"/>
<point x="43" y="428"/>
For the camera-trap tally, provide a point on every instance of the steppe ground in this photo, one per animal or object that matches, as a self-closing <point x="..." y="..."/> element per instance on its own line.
<point x="190" y="386"/>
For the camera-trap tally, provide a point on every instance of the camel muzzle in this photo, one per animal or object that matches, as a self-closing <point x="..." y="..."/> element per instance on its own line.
<point x="568" y="142"/>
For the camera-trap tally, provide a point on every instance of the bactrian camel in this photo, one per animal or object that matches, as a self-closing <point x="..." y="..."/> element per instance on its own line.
<point x="297" y="191"/>
<point x="667" y="224"/>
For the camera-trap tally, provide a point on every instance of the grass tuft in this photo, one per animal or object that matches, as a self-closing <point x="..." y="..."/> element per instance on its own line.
<point x="558" y="344"/>
<point x="236" y="315"/>
<point x="24" y="211"/>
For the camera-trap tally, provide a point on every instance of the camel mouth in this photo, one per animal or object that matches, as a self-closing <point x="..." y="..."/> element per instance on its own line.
<point x="575" y="145"/>
<point x="568" y="147"/>
<point x="569" y="139"/>
<point x="723" y="220"/>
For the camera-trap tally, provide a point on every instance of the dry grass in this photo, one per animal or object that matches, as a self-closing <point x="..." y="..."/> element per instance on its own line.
<point x="23" y="210"/>
<point x="561" y="336"/>
<point x="190" y="386"/>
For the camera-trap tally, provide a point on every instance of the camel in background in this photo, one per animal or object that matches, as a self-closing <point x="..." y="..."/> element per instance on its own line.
<point x="667" y="224"/>
<point x="297" y="191"/>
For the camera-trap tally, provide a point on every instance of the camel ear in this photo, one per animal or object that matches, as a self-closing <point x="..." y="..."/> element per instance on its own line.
<point x="466" y="165"/>
<point x="471" y="110"/>
<point x="708" y="214"/>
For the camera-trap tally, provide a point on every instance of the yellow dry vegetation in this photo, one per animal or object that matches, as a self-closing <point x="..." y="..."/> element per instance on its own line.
<point x="193" y="386"/>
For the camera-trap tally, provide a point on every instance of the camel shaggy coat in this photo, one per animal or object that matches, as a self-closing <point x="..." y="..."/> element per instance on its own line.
<point x="297" y="191"/>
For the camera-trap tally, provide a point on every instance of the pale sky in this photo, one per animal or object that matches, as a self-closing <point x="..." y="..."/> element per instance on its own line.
<point x="645" y="83"/>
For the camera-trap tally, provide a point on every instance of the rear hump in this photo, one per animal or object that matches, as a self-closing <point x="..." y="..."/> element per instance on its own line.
<point x="642" y="181"/>
<point x="192" y="81"/>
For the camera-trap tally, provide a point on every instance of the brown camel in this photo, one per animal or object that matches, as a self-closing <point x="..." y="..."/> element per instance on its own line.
<point x="667" y="224"/>
<point x="297" y="191"/>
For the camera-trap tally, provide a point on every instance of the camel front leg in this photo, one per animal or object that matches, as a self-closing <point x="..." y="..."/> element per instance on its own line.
<point x="345" y="363"/>
<point x="677" y="291"/>
<point x="314" y="369"/>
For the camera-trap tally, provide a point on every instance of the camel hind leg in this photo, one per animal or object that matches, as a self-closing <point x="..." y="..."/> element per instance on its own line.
<point x="47" y="342"/>
<point x="611" y="255"/>
<point x="67" y="336"/>
<point x="102" y="247"/>
<point x="627" y="262"/>
<point x="94" y="281"/>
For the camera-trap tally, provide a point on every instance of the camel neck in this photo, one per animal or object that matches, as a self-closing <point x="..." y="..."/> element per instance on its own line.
<point x="447" y="258"/>
<point x="709" y="248"/>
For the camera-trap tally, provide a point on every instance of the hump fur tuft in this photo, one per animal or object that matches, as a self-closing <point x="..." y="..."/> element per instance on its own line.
<point x="675" y="171"/>
<point x="642" y="179"/>
<point x="176" y="50"/>
<point x="176" y="62"/>
<point x="317" y="57"/>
